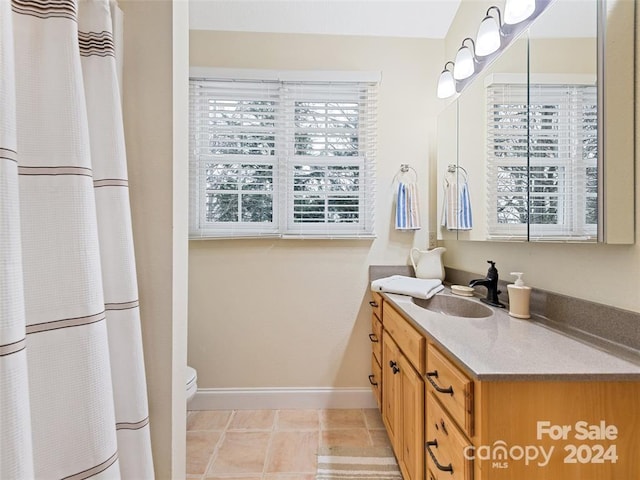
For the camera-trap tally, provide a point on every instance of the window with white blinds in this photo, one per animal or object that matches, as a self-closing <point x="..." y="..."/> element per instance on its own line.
<point x="542" y="161"/>
<point x="282" y="158"/>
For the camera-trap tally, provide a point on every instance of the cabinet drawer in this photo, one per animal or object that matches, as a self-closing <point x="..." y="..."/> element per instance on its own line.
<point x="406" y="337"/>
<point x="452" y="387"/>
<point x="375" y="380"/>
<point x="376" y="304"/>
<point x="445" y="445"/>
<point x="376" y="338"/>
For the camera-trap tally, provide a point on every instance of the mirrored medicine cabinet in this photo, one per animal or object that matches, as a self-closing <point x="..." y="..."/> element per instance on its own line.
<point x="540" y="145"/>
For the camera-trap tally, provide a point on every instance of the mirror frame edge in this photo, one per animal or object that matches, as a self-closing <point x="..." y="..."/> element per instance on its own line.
<point x="616" y="74"/>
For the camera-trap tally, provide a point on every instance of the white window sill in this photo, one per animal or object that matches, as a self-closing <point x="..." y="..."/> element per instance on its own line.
<point x="287" y="237"/>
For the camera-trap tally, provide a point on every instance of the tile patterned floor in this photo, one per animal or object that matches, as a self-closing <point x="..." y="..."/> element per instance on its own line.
<point x="273" y="444"/>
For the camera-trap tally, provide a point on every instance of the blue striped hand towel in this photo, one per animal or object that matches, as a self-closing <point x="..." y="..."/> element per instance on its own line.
<point x="465" y="219"/>
<point x="407" y="211"/>
<point x="456" y="210"/>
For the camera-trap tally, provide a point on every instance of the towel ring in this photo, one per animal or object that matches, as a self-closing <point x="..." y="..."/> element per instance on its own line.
<point x="452" y="169"/>
<point x="404" y="169"/>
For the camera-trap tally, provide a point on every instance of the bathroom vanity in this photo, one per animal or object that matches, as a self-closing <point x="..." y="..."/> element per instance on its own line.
<point x="467" y="392"/>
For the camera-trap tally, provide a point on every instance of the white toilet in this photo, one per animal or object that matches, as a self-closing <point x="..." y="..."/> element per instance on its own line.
<point x="192" y="382"/>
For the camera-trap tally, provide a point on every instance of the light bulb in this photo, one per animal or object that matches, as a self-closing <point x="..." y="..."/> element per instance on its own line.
<point x="464" y="62"/>
<point x="488" y="38"/>
<point x="515" y="11"/>
<point x="446" y="83"/>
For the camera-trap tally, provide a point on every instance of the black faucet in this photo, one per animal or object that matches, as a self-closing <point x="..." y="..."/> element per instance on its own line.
<point x="491" y="282"/>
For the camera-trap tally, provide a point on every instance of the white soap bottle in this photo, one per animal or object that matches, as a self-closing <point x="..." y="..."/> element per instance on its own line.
<point x="519" y="297"/>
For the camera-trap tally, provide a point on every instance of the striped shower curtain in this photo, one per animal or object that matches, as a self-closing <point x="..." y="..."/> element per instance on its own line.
<point x="73" y="400"/>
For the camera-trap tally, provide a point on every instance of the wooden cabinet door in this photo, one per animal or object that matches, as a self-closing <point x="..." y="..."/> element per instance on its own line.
<point x="375" y="379"/>
<point x="412" y="458"/>
<point x="391" y="391"/>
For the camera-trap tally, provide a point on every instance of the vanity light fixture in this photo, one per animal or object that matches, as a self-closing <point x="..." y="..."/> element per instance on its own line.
<point x="492" y="38"/>
<point x="465" y="61"/>
<point x="488" y="39"/>
<point x="515" y="11"/>
<point x="446" y="82"/>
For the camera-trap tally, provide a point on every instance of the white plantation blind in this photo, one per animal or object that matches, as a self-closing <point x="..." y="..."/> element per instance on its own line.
<point x="233" y="165"/>
<point x="282" y="158"/>
<point x="330" y="176"/>
<point x="542" y="161"/>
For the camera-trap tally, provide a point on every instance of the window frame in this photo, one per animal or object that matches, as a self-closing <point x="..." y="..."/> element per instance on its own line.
<point x="285" y="159"/>
<point x="239" y="228"/>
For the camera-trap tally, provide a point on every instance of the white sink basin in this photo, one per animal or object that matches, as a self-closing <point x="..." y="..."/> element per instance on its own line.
<point x="454" y="306"/>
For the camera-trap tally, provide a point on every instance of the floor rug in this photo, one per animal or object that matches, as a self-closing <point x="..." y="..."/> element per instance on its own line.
<point x="362" y="463"/>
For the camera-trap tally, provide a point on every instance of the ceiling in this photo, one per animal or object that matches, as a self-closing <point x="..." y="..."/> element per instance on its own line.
<point x="386" y="18"/>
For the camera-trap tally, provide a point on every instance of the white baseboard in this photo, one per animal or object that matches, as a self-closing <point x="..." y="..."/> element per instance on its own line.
<point x="281" y="398"/>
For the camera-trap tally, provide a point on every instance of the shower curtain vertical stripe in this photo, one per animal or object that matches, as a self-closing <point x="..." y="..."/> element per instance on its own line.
<point x="74" y="397"/>
<point x="16" y="453"/>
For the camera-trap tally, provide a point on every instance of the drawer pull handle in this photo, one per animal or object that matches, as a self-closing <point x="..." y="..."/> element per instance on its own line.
<point x="374" y="304"/>
<point x="438" y="388"/>
<point x="373" y="338"/>
<point x="444" y="468"/>
<point x="371" y="377"/>
<point x="394" y="367"/>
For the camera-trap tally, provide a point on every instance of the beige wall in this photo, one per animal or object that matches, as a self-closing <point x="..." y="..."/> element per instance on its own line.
<point x="608" y="274"/>
<point x="294" y="313"/>
<point x="155" y="91"/>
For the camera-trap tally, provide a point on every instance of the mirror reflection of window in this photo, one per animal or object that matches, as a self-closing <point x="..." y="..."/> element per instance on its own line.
<point x="542" y="160"/>
<point x="563" y="189"/>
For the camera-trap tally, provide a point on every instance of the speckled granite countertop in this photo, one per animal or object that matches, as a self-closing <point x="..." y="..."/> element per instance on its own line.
<point x="501" y="347"/>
